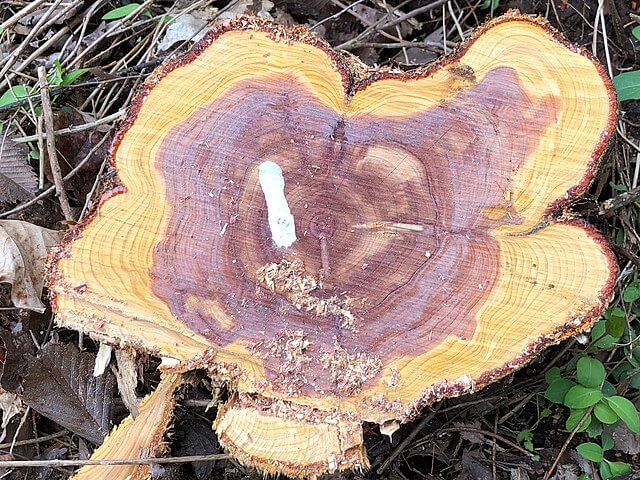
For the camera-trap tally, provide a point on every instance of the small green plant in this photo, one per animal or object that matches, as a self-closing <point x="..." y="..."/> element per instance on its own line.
<point x="61" y="77"/>
<point x="120" y="12"/>
<point x="595" y="453"/>
<point x="620" y="187"/>
<point x="492" y="4"/>
<point x="14" y="94"/>
<point x="525" y="437"/>
<point x="627" y="85"/>
<point x="58" y="77"/>
<point x="632" y="292"/>
<point x="593" y="401"/>
<point x="125" y="10"/>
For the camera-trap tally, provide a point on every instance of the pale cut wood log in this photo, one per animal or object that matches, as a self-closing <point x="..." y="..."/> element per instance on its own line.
<point x="344" y="244"/>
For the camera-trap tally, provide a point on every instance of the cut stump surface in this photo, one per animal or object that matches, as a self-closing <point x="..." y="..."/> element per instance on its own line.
<point x="342" y="244"/>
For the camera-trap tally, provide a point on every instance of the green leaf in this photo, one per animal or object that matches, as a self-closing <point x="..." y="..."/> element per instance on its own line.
<point x="574" y="419"/>
<point x="595" y="428"/>
<point x="620" y="187"/>
<point x="626" y="411"/>
<point x="635" y="382"/>
<point x="524" y="435"/>
<point x="636" y="32"/>
<point x="605" y="470"/>
<point x="579" y="396"/>
<point x="622" y="371"/>
<point x="615" y="326"/>
<point x="13" y="95"/>
<point x="552" y="374"/>
<point x="618" y="469"/>
<point x="605" y="414"/>
<point x="34" y="154"/>
<point x="55" y="78"/>
<point x="607" y="442"/>
<point x="632" y="292"/>
<point x="590" y="372"/>
<point x="120" y="12"/>
<point x="608" y="389"/>
<point x="557" y="390"/>
<point x="599" y="335"/>
<point x="493" y="4"/>
<point x="71" y="77"/>
<point x="614" y="312"/>
<point x="591" y="451"/>
<point x="627" y="85"/>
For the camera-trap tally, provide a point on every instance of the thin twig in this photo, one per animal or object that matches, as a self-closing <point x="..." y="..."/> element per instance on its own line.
<point x="114" y="461"/>
<point x="566" y="443"/>
<point x="75" y="128"/>
<point x="51" y="144"/>
<point x="488" y="434"/>
<point x="15" y="18"/>
<point x="336" y="15"/>
<point x="33" y="441"/>
<point x="35" y="54"/>
<point x="619" y="201"/>
<point x="403" y="444"/>
<point x="413" y="13"/>
<point x="94" y="187"/>
<point x="380" y="25"/>
<point x="494" y="447"/>
<point x="41" y="155"/>
<point x="15" y="53"/>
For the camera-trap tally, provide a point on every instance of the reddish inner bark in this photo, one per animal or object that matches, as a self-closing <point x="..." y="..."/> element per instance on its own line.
<point x="413" y="279"/>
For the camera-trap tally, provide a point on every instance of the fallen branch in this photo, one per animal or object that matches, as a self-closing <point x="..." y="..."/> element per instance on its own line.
<point x="619" y="201"/>
<point x="51" y="145"/>
<point x="75" y="128"/>
<point x="114" y="461"/>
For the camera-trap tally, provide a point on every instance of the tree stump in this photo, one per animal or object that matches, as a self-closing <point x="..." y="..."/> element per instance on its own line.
<point x="343" y="244"/>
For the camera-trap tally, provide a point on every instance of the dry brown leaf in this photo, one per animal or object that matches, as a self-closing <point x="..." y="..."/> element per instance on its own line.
<point x="60" y="385"/>
<point x="187" y="27"/>
<point x="23" y="250"/>
<point x="134" y="438"/>
<point x="11" y="405"/>
<point x="18" y="182"/>
<point x="247" y="7"/>
<point x="72" y="149"/>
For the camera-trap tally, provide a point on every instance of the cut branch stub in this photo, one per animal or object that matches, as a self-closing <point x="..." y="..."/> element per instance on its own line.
<point x="346" y="245"/>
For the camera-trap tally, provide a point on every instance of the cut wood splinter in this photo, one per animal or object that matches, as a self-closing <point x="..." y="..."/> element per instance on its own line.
<point x="344" y="244"/>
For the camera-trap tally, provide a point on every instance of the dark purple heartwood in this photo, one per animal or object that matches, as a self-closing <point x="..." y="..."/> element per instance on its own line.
<point x="438" y="172"/>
